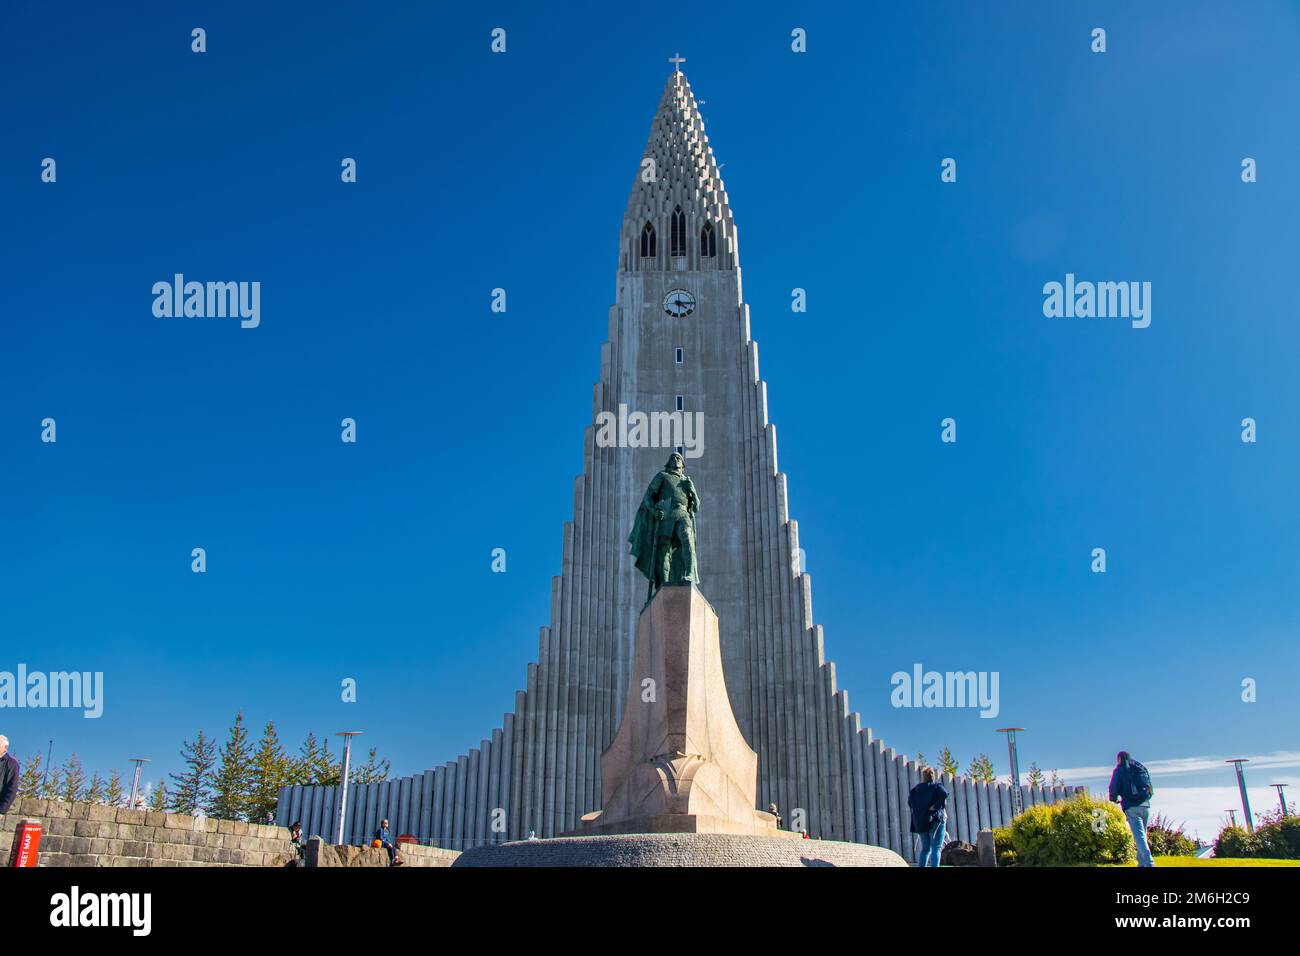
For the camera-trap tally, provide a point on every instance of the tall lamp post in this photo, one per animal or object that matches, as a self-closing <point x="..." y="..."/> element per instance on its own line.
<point x="1281" y="798"/>
<point x="135" y="780"/>
<point x="1241" y="785"/>
<point x="1016" y="806"/>
<point x="347" y="736"/>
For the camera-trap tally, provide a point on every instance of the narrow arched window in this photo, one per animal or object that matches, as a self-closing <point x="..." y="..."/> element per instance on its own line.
<point x="678" y="232"/>
<point x="648" y="241"/>
<point x="708" y="241"/>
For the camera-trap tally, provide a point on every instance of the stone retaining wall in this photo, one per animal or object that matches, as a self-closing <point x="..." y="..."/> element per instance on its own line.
<point x="319" y="853"/>
<point x="93" y="834"/>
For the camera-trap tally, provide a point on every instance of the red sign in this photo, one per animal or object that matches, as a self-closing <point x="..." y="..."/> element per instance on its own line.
<point x="27" y="844"/>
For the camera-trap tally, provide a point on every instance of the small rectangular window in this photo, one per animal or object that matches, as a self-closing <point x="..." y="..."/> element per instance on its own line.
<point x="680" y="356"/>
<point x="681" y="402"/>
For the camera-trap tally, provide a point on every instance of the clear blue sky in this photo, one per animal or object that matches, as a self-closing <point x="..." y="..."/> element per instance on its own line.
<point x="476" y="171"/>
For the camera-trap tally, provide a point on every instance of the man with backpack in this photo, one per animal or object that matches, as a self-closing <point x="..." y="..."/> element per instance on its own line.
<point x="1130" y="784"/>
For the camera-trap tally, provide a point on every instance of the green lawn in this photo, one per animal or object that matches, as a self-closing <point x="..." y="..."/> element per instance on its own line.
<point x="1193" y="861"/>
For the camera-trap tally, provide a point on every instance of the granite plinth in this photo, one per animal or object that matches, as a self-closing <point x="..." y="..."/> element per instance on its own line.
<point x="677" y="850"/>
<point x="679" y="763"/>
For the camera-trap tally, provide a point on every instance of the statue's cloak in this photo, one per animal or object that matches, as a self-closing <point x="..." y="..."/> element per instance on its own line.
<point x="642" y="540"/>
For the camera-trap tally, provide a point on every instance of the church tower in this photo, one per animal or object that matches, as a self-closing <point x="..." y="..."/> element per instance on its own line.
<point x="678" y="340"/>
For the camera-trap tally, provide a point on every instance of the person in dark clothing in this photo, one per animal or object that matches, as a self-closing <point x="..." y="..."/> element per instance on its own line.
<point x="10" y="770"/>
<point x="1130" y="784"/>
<point x="295" y="840"/>
<point x="929" y="816"/>
<point x="384" y="840"/>
<point x="771" y="808"/>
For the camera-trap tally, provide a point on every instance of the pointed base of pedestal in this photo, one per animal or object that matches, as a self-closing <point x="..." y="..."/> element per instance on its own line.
<point x="679" y="763"/>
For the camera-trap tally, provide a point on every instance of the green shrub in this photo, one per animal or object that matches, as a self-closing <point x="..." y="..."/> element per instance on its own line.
<point x="1279" y="836"/>
<point x="1078" y="832"/>
<point x="1234" y="841"/>
<point x="1165" y="839"/>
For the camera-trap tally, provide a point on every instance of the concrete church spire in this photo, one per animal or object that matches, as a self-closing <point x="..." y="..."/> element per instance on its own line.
<point x="678" y="172"/>
<point x="678" y="340"/>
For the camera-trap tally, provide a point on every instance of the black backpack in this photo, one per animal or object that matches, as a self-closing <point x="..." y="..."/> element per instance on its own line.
<point x="1138" y="783"/>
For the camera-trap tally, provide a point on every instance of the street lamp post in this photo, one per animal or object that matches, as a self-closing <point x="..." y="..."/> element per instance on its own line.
<point x="1241" y="785"/>
<point x="347" y="736"/>
<point x="1016" y="805"/>
<point x="1281" y="798"/>
<point x="135" y="780"/>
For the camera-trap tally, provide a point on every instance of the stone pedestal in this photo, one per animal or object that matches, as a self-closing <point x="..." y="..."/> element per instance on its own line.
<point x="678" y="849"/>
<point x="679" y="763"/>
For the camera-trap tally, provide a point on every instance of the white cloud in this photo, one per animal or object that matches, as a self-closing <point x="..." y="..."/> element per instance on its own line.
<point x="1204" y="809"/>
<point x="1176" y="765"/>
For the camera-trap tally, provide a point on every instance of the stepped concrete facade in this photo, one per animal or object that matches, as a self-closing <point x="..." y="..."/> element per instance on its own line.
<point x="679" y="339"/>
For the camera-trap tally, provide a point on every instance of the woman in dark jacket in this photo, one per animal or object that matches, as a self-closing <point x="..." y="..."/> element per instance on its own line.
<point x="929" y="817"/>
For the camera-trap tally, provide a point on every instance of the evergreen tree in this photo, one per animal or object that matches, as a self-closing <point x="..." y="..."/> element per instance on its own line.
<point x="158" y="799"/>
<point x="29" y="781"/>
<point x="301" y="766"/>
<point x="1035" y="778"/>
<point x="74" y="780"/>
<point x="920" y="761"/>
<point x="231" y="786"/>
<point x="113" y="794"/>
<point x="948" y="763"/>
<point x="271" y="770"/>
<point x="194" y="787"/>
<point x="95" y="792"/>
<point x="981" y="768"/>
<point x="315" y="765"/>
<point x="330" y="771"/>
<point x="1056" y="780"/>
<point x="51" y="786"/>
<point x="372" y="771"/>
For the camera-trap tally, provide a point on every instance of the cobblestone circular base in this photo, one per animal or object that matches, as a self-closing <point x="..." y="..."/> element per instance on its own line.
<point x="679" y="849"/>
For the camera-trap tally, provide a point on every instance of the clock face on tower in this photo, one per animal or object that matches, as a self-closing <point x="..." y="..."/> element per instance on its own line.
<point x="679" y="303"/>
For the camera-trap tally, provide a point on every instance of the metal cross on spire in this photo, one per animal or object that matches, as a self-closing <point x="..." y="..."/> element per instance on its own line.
<point x="677" y="60"/>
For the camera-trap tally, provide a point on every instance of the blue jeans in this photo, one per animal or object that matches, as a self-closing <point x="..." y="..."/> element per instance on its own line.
<point x="931" y="844"/>
<point x="1137" y="822"/>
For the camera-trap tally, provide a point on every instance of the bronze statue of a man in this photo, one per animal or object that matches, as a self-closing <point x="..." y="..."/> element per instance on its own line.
<point x="663" y="536"/>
